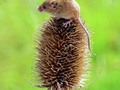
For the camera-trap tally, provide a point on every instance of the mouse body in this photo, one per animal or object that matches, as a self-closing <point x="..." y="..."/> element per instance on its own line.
<point x="68" y="9"/>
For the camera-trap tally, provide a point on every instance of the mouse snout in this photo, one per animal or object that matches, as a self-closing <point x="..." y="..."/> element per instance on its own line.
<point x="40" y="8"/>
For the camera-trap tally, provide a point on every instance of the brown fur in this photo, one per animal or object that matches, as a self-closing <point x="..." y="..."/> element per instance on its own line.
<point x="61" y="55"/>
<point x="68" y="9"/>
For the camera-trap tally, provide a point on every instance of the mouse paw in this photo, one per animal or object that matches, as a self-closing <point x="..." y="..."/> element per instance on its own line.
<point x="67" y="23"/>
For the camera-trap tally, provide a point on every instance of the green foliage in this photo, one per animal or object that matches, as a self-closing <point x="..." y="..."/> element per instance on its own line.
<point x="19" y="20"/>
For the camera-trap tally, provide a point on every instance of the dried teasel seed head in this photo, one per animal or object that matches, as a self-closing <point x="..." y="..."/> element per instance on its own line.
<point x="62" y="55"/>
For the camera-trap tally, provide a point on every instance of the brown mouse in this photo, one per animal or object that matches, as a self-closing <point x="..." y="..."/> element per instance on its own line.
<point x="68" y="9"/>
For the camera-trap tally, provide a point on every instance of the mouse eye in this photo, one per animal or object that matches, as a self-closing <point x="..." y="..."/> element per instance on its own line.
<point x="44" y="7"/>
<point x="54" y="4"/>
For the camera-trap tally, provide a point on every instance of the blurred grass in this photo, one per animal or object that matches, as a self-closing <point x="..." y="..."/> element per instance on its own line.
<point x="19" y="21"/>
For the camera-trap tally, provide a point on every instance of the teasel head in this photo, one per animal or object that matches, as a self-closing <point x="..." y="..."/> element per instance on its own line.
<point x="62" y="55"/>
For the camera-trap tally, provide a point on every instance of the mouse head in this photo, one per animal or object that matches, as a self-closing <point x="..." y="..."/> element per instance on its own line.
<point x="49" y="6"/>
<point x="53" y="7"/>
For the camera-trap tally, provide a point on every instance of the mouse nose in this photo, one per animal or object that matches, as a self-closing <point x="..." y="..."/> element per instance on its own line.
<point x="40" y="9"/>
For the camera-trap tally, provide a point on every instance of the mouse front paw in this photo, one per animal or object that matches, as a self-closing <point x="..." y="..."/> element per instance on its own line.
<point x="67" y="23"/>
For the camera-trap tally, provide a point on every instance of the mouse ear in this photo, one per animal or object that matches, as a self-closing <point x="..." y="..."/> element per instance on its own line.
<point x="53" y="4"/>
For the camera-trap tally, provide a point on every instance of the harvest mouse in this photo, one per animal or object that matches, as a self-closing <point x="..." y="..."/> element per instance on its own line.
<point x="68" y="9"/>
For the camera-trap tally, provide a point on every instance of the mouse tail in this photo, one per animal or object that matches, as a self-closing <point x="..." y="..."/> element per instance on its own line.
<point x="88" y="37"/>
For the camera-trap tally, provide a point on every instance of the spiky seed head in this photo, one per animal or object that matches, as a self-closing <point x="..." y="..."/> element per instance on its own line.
<point x="62" y="55"/>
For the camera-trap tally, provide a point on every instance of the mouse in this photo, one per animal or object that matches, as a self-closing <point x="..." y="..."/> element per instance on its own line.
<point x="67" y="9"/>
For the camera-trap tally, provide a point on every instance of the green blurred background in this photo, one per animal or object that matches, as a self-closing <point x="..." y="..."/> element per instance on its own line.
<point x="19" y="21"/>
